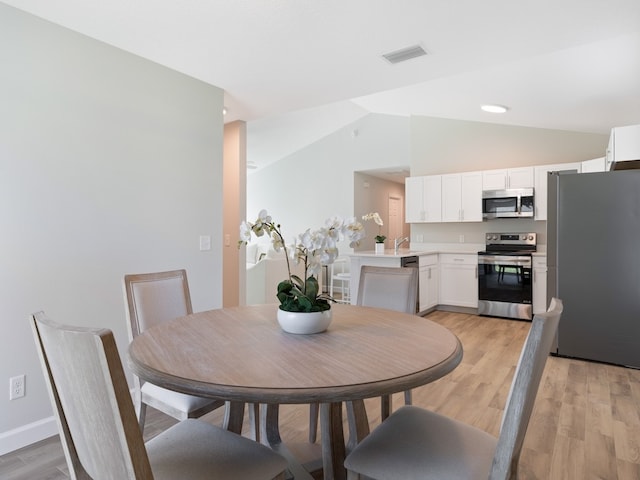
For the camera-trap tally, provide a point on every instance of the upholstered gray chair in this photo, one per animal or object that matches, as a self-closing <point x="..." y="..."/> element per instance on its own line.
<point x="417" y="443"/>
<point x="99" y="431"/>
<point x="393" y="288"/>
<point x="150" y="299"/>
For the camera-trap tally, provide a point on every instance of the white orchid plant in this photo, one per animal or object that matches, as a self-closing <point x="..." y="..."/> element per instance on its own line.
<point x="313" y="249"/>
<point x="375" y="216"/>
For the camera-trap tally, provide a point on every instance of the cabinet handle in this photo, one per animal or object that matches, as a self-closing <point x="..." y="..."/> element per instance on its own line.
<point x="429" y="277"/>
<point x="476" y="272"/>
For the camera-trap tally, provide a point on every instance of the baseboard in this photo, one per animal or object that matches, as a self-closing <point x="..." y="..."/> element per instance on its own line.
<point x="27" y="434"/>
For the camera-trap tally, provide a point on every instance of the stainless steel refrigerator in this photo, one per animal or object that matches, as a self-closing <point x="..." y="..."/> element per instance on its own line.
<point x="593" y="260"/>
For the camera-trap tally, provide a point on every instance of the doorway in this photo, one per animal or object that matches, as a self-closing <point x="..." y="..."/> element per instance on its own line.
<point x="396" y="217"/>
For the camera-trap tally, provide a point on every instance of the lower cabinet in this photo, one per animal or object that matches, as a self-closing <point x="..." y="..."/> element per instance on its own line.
<point x="429" y="284"/>
<point x="459" y="280"/>
<point x="539" y="284"/>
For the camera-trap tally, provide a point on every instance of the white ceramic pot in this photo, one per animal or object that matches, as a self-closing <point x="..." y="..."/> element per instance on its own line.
<point x="304" y="322"/>
<point x="379" y="248"/>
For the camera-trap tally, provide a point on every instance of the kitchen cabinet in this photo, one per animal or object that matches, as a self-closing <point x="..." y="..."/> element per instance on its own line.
<point x="508" y="178"/>
<point x="594" y="165"/>
<point x="539" y="284"/>
<point x="423" y="199"/>
<point x="540" y="192"/>
<point x="623" y="150"/>
<point x="428" y="282"/>
<point x="462" y="197"/>
<point x="459" y="280"/>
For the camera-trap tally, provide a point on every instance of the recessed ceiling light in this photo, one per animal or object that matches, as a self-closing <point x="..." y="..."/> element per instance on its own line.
<point x="494" y="108"/>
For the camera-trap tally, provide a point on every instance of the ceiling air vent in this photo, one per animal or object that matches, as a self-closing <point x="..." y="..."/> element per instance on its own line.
<point x="404" y="54"/>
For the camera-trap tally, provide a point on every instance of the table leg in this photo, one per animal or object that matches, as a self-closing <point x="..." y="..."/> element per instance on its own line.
<point x="270" y="436"/>
<point x="333" y="448"/>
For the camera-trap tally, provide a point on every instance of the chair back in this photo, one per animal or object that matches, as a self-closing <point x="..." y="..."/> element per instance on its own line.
<point x="91" y="400"/>
<point x="153" y="298"/>
<point x="524" y="389"/>
<point x="394" y="288"/>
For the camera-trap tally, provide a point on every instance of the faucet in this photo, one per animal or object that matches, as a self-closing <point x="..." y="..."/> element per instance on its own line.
<point x="399" y="241"/>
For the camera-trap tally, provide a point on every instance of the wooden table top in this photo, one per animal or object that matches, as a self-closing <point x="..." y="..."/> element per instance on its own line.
<point x="241" y="354"/>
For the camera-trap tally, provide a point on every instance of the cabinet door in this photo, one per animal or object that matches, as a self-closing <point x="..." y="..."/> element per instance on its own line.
<point x="494" y="179"/>
<point x="451" y="198"/>
<point x="540" y="193"/>
<point x="510" y="178"/>
<point x="626" y="143"/>
<point x="459" y="280"/>
<point x="595" y="165"/>
<point x="414" y="199"/>
<point x="520" y="178"/>
<point x="471" y="197"/>
<point x="433" y="198"/>
<point x="433" y="292"/>
<point x="429" y="283"/>
<point x="539" y="285"/>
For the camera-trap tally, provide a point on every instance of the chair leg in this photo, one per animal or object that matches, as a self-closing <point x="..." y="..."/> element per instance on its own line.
<point x="254" y="421"/>
<point x="313" y="422"/>
<point x="385" y="407"/>
<point x="408" y="397"/>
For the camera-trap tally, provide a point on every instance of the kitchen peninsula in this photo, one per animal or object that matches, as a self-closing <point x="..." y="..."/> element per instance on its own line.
<point x="447" y="273"/>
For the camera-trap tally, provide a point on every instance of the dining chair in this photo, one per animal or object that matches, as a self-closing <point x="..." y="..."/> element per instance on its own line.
<point x="393" y="288"/>
<point x="98" y="428"/>
<point x="151" y="299"/>
<point x="418" y="443"/>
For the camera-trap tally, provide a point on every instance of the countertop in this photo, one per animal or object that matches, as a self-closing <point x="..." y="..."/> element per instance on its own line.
<point x="418" y="249"/>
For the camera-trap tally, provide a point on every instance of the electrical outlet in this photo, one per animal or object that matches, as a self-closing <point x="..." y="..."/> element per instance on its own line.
<point x="16" y="387"/>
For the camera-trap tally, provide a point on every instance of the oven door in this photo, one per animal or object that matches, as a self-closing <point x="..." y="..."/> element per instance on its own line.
<point x="504" y="286"/>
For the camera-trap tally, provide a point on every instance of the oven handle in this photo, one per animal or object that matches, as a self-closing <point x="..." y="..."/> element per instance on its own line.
<point x="506" y="261"/>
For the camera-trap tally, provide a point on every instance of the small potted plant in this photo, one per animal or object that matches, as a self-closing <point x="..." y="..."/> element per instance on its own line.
<point x="379" y="247"/>
<point x="312" y="249"/>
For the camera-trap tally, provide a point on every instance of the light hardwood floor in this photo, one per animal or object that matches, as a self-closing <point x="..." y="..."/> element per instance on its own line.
<point x="585" y="425"/>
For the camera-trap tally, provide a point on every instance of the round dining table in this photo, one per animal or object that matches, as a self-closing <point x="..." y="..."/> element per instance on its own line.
<point x="240" y="355"/>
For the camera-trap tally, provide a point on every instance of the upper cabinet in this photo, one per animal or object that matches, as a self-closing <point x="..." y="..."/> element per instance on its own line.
<point x="458" y="197"/>
<point x="623" y="150"/>
<point x="462" y="197"/>
<point x="423" y="199"/>
<point x="508" y="178"/>
<point x="594" y="165"/>
<point x="540" y="192"/>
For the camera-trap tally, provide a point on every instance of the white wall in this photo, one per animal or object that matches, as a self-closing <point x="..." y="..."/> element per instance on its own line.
<point x="304" y="189"/>
<point x="109" y="164"/>
<point x="440" y="145"/>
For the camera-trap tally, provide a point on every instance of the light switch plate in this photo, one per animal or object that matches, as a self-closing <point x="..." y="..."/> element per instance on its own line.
<point x="205" y="243"/>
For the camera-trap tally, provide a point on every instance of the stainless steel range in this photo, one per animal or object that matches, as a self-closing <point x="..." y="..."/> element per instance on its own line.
<point x="504" y="276"/>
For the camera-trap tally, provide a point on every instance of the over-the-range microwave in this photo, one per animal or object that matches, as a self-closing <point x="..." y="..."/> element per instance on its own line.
<point x="509" y="203"/>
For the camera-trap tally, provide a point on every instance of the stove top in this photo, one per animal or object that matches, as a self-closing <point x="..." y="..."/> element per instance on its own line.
<point x="510" y="244"/>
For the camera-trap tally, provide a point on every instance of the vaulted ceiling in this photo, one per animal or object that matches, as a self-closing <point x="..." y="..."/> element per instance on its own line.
<point x="296" y="70"/>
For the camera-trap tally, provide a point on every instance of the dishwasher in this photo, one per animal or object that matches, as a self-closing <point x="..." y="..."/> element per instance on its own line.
<point x="412" y="262"/>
